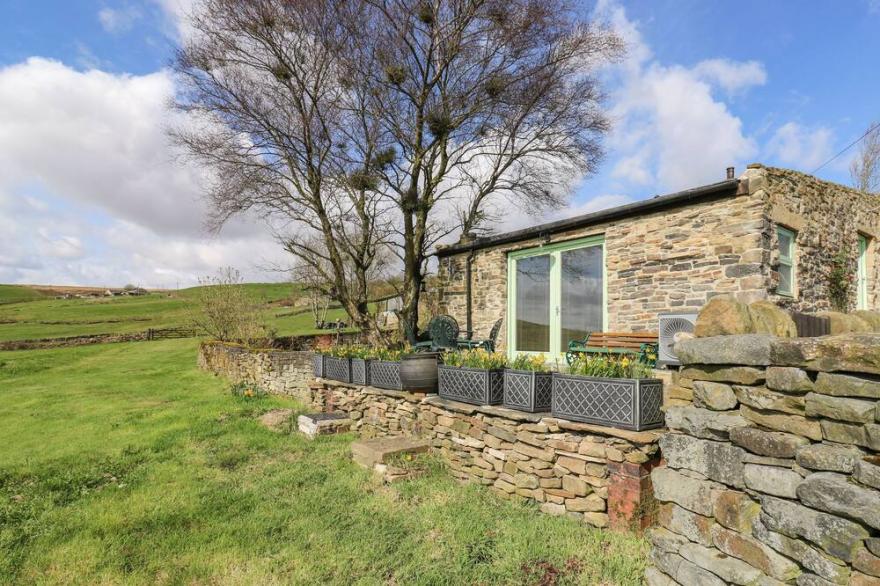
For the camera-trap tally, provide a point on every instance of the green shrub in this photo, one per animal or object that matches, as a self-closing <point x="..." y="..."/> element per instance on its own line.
<point x="531" y="362"/>
<point x="478" y="358"/>
<point x="608" y="366"/>
<point x="840" y="280"/>
<point x="350" y="351"/>
<point x="366" y="352"/>
<point x="388" y="354"/>
<point x="248" y="391"/>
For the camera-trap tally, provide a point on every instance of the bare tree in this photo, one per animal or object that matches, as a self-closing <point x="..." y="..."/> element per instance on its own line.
<point x="865" y="168"/>
<point x="224" y="311"/>
<point x="368" y="126"/>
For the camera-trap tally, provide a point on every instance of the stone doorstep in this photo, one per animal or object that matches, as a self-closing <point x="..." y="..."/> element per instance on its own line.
<point x="315" y="424"/>
<point x="369" y="453"/>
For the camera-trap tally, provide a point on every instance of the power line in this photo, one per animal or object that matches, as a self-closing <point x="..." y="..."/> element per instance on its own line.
<point x="847" y="147"/>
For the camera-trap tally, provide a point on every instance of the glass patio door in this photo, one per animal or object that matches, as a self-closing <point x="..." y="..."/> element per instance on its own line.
<point x="556" y="294"/>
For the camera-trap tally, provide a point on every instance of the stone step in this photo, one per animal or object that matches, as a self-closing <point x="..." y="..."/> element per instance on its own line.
<point x="370" y="452"/>
<point x="315" y="424"/>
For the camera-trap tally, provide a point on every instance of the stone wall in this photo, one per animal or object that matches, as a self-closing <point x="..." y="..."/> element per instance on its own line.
<point x="828" y="218"/>
<point x="591" y="473"/>
<point x="283" y="372"/>
<point x="772" y="469"/>
<point x="663" y="261"/>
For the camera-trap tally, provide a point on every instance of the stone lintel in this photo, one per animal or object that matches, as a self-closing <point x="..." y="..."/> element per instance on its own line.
<point x="494" y="411"/>
<point x="636" y="437"/>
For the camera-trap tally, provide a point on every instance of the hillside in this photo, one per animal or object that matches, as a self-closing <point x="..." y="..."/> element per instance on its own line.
<point x="27" y="314"/>
<point x="18" y="293"/>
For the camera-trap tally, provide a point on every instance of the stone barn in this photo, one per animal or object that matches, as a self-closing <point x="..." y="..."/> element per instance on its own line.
<point x="772" y="234"/>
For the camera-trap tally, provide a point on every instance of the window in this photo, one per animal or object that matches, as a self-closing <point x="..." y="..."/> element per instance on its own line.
<point x="786" y="268"/>
<point x="556" y="294"/>
<point x="862" y="274"/>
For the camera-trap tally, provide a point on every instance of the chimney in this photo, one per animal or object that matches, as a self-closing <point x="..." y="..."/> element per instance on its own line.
<point x="730" y="172"/>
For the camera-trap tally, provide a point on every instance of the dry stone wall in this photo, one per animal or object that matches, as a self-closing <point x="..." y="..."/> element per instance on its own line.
<point x="597" y="475"/>
<point x="772" y="469"/>
<point x="283" y="372"/>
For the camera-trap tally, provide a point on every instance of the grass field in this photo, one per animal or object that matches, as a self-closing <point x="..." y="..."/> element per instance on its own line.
<point x="122" y="463"/>
<point x="42" y="317"/>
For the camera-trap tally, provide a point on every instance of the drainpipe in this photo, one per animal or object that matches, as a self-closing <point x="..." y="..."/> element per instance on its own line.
<point x="467" y="276"/>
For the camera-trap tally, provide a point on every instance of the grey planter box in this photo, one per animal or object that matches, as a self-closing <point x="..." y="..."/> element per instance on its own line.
<point x="526" y="390"/>
<point x="318" y="365"/>
<point x="360" y="371"/>
<point x="385" y="374"/>
<point x="478" y="386"/>
<point x="338" y="369"/>
<point x="614" y="402"/>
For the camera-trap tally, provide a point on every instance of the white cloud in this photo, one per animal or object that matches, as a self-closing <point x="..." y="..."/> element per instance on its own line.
<point x="800" y="147"/>
<point x="118" y="20"/>
<point x="733" y="76"/>
<point x="99" y="139"/>
<point x="671" y="130"/>
<point x="90" y="189"/>
<point x="177" y="12"/>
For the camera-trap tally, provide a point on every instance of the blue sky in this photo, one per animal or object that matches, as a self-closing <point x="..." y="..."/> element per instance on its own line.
<point x="90" y="192"/>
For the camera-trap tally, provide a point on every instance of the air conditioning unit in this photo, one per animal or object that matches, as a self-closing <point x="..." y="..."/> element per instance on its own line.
<point x="671" y="324"/>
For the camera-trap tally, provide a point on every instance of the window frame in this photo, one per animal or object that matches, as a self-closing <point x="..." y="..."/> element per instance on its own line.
<point x="555" y="350"/>
<point x="787" y="260"/>
<point x="862" y="273"/>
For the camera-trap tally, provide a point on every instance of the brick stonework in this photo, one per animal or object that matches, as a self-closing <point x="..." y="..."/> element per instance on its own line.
<point x="676" y="259"/>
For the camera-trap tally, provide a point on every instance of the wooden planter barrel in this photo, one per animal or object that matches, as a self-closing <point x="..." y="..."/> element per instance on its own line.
<point x="418" y="372"/>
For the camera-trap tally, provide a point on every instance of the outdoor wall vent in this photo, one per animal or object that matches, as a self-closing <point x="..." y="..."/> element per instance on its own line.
<point x="671" y="324"/>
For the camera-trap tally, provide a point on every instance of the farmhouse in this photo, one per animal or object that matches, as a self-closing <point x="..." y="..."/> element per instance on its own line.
<point x="772" y="234"/>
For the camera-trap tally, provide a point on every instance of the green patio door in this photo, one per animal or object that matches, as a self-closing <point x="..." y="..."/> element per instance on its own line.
<point x="862" y="274"/>
<point x="556" y="293"/>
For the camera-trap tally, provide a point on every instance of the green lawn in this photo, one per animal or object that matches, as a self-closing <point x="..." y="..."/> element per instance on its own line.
<point x="54" y="318"/>
<point x="122" y="463"/>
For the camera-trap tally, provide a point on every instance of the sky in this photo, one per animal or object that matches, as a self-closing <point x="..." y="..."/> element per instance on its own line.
<point x="91" y="192"/>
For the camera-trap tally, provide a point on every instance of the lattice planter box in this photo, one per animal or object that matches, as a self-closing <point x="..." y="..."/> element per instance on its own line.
<point x="360" y="371"/>
<point x="614" y="402"/>
<point x="318" y="365"/>
<point x="385" y="374"/>
<point x="478" y="386"/>
<point x="526" y="390"/>
<point x="337" y="369"/>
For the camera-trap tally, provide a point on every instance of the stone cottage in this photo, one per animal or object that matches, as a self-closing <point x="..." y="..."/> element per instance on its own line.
<point x="771" y="234"/>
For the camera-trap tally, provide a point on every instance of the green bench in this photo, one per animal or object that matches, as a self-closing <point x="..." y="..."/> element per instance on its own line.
<point x="641" y="345"/>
